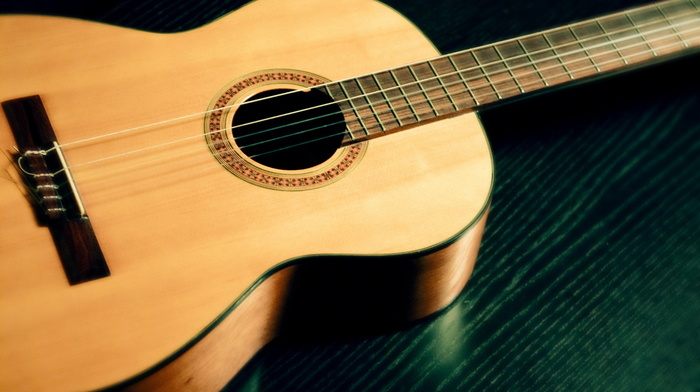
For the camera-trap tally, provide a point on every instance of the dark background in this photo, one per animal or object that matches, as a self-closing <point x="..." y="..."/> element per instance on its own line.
<point x="589" y="274"/>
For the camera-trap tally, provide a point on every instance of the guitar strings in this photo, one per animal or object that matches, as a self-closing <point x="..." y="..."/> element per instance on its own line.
<point x="211" y="168"/>
<point x="216" y="167"/>
<point x="606" y="34"/>
<point x="423" y="91"/>
<point x="476" y="97"/>
<point x="207" y="169"/>
<point x="516" y="88"/>
<point x="381" y="91"/>
<point x="443" y="85"/>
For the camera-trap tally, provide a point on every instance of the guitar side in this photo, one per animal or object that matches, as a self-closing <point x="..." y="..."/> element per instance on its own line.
<point x="204" y="264"/>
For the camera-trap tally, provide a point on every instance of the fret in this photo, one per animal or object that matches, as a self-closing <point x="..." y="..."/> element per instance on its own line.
<point x="603" y="54"/>
<point x="497" y="72"/>
<point x="355" y="129"/>
<point x="500" y="50"/>
<point x="628" y="44"/>
<point x="571" y="52"/>
<point x="641" y="36"/>
<point x="382" y="102"/>
<point x="520" y="66"/>
<point x="677" y="33"/>
<point x="456" y="88"/>
<point x="414" y="93"/>
<point x="612" y="43"/>
<point x="457" y="91"/>
<point x="469" y="94"/>
<point x="396" y="98"/>
<point x="684" y="18"/>
<point x="559" y="58"/>
<point x="587" y="52"/>
<point x="422" y="90"/>
<point x="437" y="67"/>
<point x="484" y="59"/>
<point x="545" y="59"/>
<point x="388" y="119"/>
<point x="659" y="34"/>
<point x="432" y="88"/>
<point x="359" y="105"/>
<point x="474" y="77"/>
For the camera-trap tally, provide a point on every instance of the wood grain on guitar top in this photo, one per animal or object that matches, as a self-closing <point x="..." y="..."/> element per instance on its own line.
<point x="184" y="238"/>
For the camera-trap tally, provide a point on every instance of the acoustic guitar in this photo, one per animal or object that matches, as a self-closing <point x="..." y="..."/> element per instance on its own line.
<point x="173" y="202"/>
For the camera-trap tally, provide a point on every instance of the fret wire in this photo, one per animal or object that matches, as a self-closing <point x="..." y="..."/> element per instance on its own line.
<point x="508" y="68"/>
<point x="607" y="35"/>
<point x="592" y="63"/>
<point x="396" y="96"/>
<point x="365" y="129"/>
<point x="370" y="105"/>
<point x="687" y="44"/>
<point x="486" y="74"/>
<point x="475" y="97"/>
<point x="379" y="101"/>
<point x="585" y="51"/>
<point x="328" y="91"/>
<point x="388" y="102"/>
<point x="444" y="88"/>
<point x="131" y="152"/>
<point x="403" y="93"/>
<point x="434" y="87"/>
<point x="408" y="104"/>
<point x="638" y="18"/>
<point x="626" y="21"/>
<point x="639" y="32"/>
<point x="423" y="91"/>
<point x="564" y="43"/>
<point x="532" y="61"/>
<point x="463" y="81"/>
<point x="590" y="66"/>
<point x="562" y="74"/>
<point x="558" y="56"/>
<point x="678" y="34"/>
<point x="600" y="18"/>
<point x="605" y="17"/>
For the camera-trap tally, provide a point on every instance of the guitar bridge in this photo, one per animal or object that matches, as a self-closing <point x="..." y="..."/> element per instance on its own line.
<point x="50" y="186"/>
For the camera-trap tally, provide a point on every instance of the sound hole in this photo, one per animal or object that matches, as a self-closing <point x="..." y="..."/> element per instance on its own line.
<point x="290" y="131"/>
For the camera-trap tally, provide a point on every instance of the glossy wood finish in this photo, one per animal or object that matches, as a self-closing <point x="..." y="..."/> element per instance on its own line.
<point x="372" y="295"/>
<point x="184" y="238"/>
<point x="587" y="279"/>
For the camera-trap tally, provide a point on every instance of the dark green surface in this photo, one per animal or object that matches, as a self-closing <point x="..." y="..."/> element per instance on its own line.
<point x="588" y="278"/>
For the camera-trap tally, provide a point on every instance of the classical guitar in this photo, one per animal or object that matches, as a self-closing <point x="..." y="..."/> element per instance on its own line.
<point x="170" y="201"/>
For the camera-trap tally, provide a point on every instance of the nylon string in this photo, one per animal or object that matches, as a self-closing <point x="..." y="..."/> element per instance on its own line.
<point x="212" y="167"/>
<point x="422" y="91"/>
<point x="479" y="66"/>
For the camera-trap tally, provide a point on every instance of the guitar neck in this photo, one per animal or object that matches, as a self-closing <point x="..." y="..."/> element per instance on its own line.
<point x="398" y="98"/>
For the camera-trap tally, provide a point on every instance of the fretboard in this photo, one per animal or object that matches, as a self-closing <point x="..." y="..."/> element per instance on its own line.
<point x="390" y="100"/>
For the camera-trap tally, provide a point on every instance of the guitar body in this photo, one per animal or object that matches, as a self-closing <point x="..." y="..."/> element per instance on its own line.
<point x="207" y="267"/>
